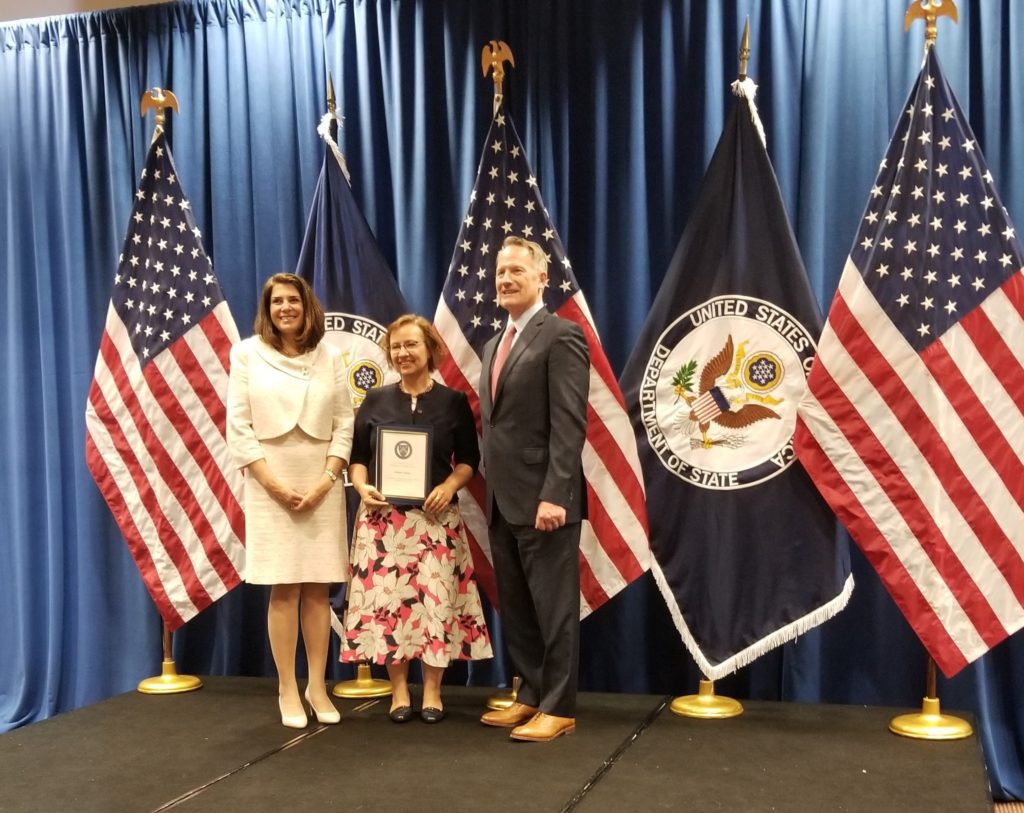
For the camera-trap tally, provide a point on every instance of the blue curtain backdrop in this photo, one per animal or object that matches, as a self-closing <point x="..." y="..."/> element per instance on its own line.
<point x="619" y="103"/>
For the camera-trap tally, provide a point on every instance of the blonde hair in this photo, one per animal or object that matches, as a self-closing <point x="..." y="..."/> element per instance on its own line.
<point x="435" y="345"/>
<point x="535" y="250"/>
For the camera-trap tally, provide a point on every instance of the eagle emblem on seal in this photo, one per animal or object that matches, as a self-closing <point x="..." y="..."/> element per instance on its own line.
<point x="731" y="395"/>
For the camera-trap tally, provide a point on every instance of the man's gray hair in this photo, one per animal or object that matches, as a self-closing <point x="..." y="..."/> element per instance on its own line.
<point x="536" y="252"/>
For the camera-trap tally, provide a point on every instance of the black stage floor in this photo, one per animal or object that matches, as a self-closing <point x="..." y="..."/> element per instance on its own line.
<point x="223" y="749"/>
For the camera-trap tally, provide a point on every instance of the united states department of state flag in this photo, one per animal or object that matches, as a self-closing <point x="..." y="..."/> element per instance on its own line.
<point x="746" y="551"/>
<point x="506" y="200"/>
<point x="341" y="260"/>
<point x="912" y="424"/>
<point x="155" y="418"/>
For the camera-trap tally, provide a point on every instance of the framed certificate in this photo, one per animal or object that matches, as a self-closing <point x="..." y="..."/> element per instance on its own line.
<point x="403" y="463"/>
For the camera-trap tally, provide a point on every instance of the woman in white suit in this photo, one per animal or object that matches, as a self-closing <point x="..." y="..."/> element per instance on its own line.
<point x="289" y="428"/>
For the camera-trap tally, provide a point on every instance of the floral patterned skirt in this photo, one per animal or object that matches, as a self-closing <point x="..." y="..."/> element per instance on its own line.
<point x="412" y="592"/>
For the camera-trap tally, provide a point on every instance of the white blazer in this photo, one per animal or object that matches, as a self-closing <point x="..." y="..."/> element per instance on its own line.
<point x="269" y="394"/>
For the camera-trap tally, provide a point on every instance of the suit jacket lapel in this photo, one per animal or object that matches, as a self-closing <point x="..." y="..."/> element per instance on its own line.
<point x="486" y="362"/>
<point x="530" y="332"/>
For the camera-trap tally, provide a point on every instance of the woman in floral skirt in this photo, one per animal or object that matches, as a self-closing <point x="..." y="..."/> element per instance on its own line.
<point x="412" y="594"/>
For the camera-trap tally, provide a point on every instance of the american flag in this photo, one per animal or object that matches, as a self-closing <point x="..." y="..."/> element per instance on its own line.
<point x="155" y="418"/>
<point x="912" y="427"/>
<point x="506" y="201"/>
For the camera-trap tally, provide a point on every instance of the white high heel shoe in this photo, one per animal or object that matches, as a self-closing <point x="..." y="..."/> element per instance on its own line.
<point x="292" y="720"/>
<point x="327" y="717"/>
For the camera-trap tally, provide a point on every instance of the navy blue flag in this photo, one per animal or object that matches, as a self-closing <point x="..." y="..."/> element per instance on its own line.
<point x="747" y="554"/>
<point x="341" y="260"/>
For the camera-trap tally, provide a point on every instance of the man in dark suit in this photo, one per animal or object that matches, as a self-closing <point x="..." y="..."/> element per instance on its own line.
<point x="533" y="409"/>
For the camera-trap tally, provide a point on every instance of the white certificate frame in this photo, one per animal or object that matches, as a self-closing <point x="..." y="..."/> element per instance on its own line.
<point x="403" y="463"/>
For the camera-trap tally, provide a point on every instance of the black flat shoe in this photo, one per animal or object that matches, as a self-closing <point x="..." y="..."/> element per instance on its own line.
<point x="402" y="714"/>
<point x="431" y="715"/>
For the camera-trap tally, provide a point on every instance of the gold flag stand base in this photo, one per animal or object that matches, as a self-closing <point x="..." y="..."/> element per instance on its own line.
<point x="930" y="724"/>
<point x="170" y="682"/>
<point x="502" y="700"/>
<point x="706" y="704"/>
<point x="365" y="685"/>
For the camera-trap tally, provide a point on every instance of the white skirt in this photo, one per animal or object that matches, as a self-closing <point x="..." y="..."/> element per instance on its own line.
<point x="285" y="547"/>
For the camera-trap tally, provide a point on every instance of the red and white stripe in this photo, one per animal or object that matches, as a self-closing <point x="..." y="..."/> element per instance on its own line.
<point x="706" y="407"/>
<point x="614" y="547"/>
<point x="155" y="445"/>
<point x="922" y="458"/>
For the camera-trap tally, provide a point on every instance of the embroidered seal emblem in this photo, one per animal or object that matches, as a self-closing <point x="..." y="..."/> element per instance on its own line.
<point x="357" y="338"/>
<point x="720" y="391"/>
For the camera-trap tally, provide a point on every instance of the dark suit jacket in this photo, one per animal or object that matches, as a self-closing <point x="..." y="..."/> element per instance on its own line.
<point x="533" y="433"/>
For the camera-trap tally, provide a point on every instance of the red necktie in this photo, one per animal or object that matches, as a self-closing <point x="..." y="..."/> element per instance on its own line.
<point x="500" y="357"/>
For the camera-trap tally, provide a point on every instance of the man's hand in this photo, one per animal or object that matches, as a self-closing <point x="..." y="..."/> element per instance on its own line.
<point x="550" y="517"/>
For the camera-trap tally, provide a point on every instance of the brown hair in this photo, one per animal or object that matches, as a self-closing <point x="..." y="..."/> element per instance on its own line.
<point x="435" y="346"/>
<point x="312" y="314"/>
<point x="535" y="250"/>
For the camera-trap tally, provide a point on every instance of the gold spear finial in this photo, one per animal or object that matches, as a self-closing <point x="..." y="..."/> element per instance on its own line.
<point x="159" y="100"/>
<point x="745" y="50"/>
<point x="930" y="11"/>
<point x="332" y="102"/>
<point x="494" y="54"/>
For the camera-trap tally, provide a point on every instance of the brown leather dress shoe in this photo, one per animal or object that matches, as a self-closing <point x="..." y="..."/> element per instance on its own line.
<point x="506" y="718"/>
<point x="544" y="728"/>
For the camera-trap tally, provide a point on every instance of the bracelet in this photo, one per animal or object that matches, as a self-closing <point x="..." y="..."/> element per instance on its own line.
<point x="332" y="475"/>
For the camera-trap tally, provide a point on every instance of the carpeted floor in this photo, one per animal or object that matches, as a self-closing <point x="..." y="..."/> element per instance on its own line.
<point x="223" y="749"/>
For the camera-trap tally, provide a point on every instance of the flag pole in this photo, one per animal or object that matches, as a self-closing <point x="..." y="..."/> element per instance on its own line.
<point x="492" y="58"/>
<point x="158" y="99"/>
<point x="706" y="704"/>
<point x="364" y="684"/>
<point x="494" y="54"/>
<point x="169" y="681"/>
<point x="930" y="11"/>
<point x="745" y="49"/>
<point x="930" y="723"/>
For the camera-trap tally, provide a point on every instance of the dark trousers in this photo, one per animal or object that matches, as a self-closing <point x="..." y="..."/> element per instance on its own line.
<point x="538" y="575"/>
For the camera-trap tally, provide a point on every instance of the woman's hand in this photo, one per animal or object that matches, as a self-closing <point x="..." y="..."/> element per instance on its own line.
<point x="283" y="493"/>
<point x="438" y="499"/>
<point x="279" y="490"/>
<point x="370" y="496"/>
<point x="316" y="494"/>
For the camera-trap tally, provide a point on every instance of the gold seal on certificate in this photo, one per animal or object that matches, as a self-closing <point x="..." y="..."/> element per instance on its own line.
<point x="403" y="463"/>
